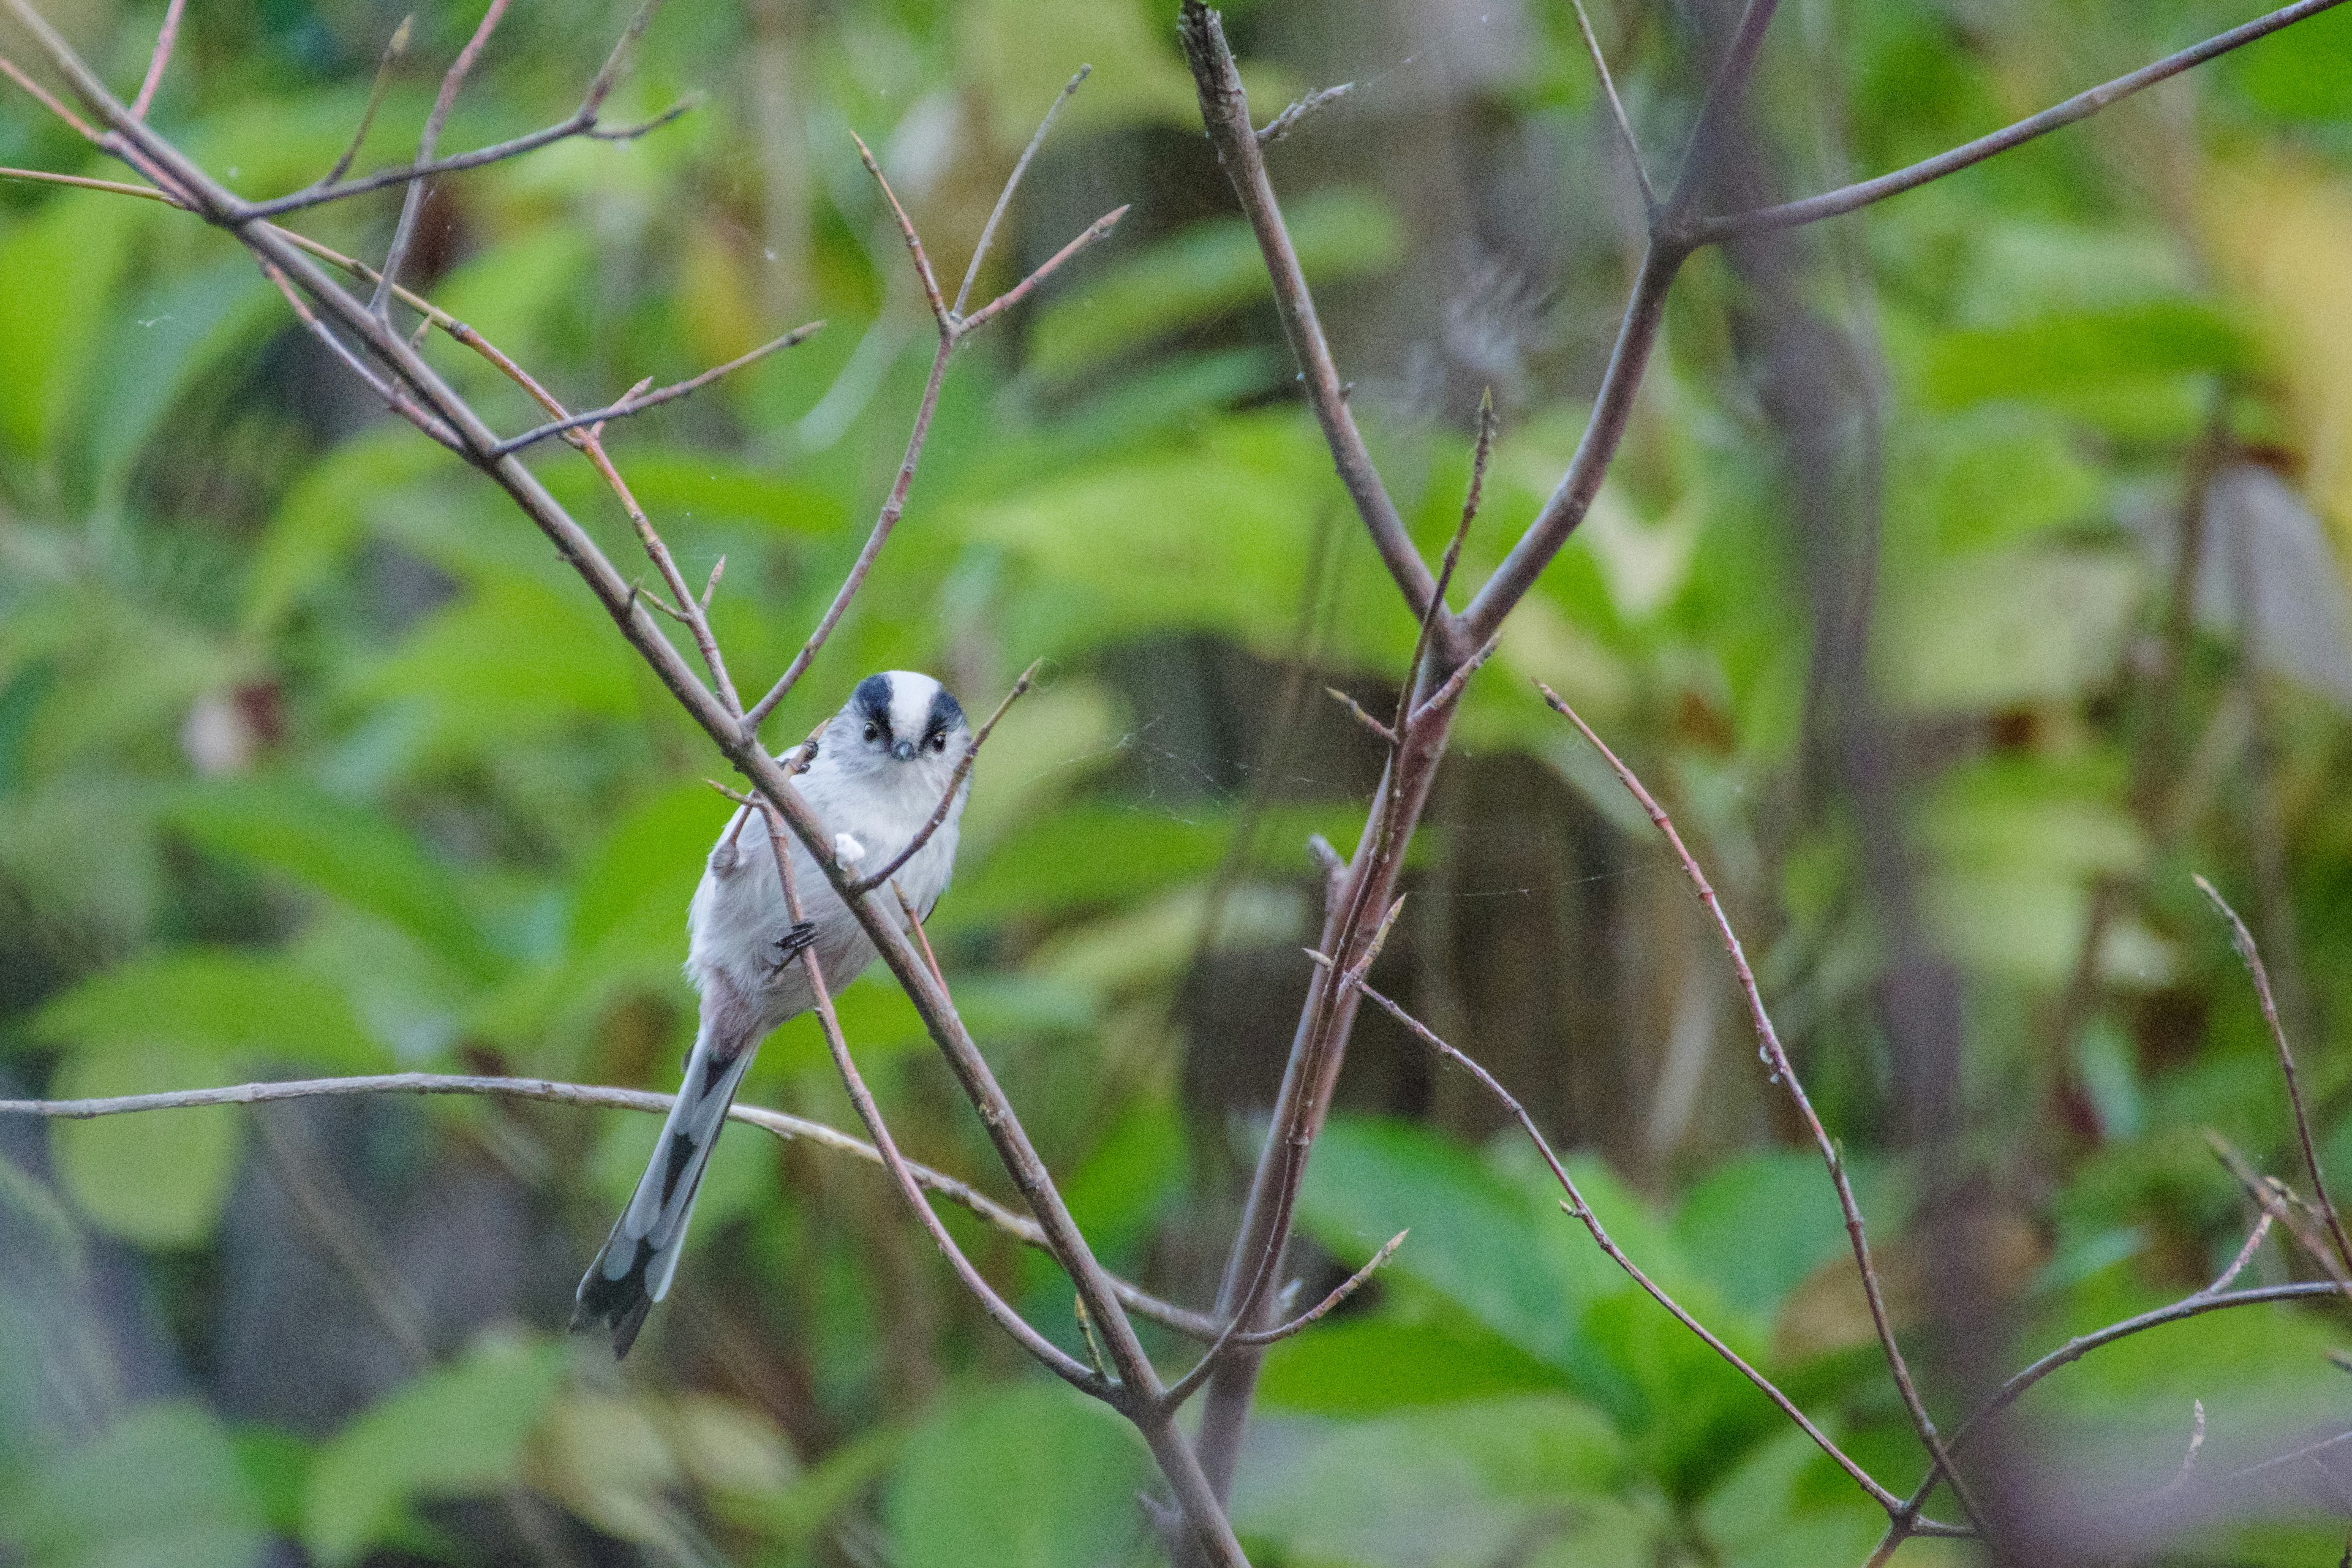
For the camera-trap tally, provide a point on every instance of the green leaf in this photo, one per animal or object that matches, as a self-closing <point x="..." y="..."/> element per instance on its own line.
<point x="1456" y="1484"/>
<point x="2059" y="355"/>
<point x="1999" y="628"/>
<point x="1757" y="1226"/>
<point x="1477" y="1239"/>
<point x="70" y="255"/>
<point x="357" y="856"/>
<point x="159" y="1178"/>
<point x="214" y="1006"/>
<point x="1031" y="1476"/>
<point x="161" y="1485"/>
<point x="323" y="516"/>
<point x="456" y="1431"/>
<point x="513" y="659"/>
<point x="1368" y="1365"/>
<point x="159" y="345"/>
<point x="1204" y="271"/>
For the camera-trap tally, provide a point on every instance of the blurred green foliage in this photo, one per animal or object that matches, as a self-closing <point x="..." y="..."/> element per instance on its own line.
<point x="314" y="759"/>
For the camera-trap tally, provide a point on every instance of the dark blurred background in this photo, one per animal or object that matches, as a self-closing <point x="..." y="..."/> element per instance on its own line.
<point x="1971" y="575"/>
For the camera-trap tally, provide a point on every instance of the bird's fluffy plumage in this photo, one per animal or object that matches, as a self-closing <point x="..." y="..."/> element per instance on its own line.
<point x="881" y="766"/>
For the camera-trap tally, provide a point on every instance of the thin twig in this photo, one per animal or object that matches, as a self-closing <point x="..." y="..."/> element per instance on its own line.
<point x="1785" y="1073"/>
<point x="118" y="187"/>
<point x="954" y="787"/>
<point x="1224" y="110"/>
<point x="791" y="1129"/>
<point x="394" y="49"/>
<point x="2245" y="1255"/>
<point x="394" y="397"/>
<point x="1386" y="736"/>
<point x="582" y="121"/>
<point x="1056" y="1359"/>
<point x="2282" y="1202"/>
<point x="47" y="100"/>
<point x="413" y="201"/>
<point x="636" y="402"/>
<point x="165" y="38"/>
<point x="2073" y="1350"/>
<point x="2251" y="955"/>
<point x="1582" y="1212"/>
<point x="2081" y="106"/>
<point x="940" y="311"/>
<point x="1345" y="1289"/>
<point x="1617" y="110"/>
<point x="1012" y="184"/>
<point x="1101" y="226"/>
<point x="1280" y="127"/>
<point x="923" y="940"/>
<point x="893" y="506"/>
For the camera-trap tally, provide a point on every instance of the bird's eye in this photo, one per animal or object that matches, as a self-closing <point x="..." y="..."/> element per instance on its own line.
<point x="872" y="731"/>
<point x="939" y="743"/>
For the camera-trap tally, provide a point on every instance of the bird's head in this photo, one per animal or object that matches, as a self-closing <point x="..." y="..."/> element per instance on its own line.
<point x="900" y="720"/>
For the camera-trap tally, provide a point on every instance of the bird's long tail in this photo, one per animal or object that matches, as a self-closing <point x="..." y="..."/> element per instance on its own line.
<point x="634" y="1269"/>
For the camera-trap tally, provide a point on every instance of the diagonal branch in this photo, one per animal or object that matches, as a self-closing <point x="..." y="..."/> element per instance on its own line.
<point x="1055" y="1360"/>
<point x="2243" y="941"/>
<point x="1625" y="136"/>
<point x="638" y="403"/>
<point x="413" y="200"/>
<point x="1224" y="110"/>
<point x="1784" y="1072"/>
<point x="1012" y="184"/>
<point x="1582" y="1211"/>
<point x="2081" y="106"/>
<point x="165" y="38"/>
<point x="953" y="329"/>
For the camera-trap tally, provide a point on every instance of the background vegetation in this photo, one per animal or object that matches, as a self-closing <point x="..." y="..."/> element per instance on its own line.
<point x="313" y="759"/>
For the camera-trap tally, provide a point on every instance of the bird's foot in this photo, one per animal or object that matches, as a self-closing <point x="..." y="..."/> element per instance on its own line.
<point x="792" y="943"/>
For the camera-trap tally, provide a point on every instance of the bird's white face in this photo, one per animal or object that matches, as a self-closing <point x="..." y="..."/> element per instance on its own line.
<point x="899" y="731"/>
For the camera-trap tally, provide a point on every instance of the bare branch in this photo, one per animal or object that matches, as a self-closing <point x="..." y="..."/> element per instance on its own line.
<point x="1617" y="110"/>
<point x="963" y="325"/>
<point x="394" y="48"/>
<point x="638" y="402"/>
<point x="940" y="311"/>
<point x="118" y="187"/>
<point x="2081" y="106"/>
<point x="2253" y="1244"/>
<point x="955" y="785"/>
<point x="1055" y="1360"/>
<point x="1450" y="687"/>
<point x="1224" y="110"/>
<point x="1613" y="408"/>
<point x="394" y="397"/>
<point x="413" y="201"/>
<point x="893" y="505"/>
<point x="47" y="100"/>
<point x="1280" y="127"/>
<point x="1386" y="736"/>
<point x="791" y="1129"/>
<point x="1784" y="1072"/>
<point x="168" y="35"/>
<point x="1012" y="184"/>
<point x="2248" y="953"/>
<point x="2074" y="1350"/>
<point x="1345" y="1289"/>
<point x="1582" y="1212"/>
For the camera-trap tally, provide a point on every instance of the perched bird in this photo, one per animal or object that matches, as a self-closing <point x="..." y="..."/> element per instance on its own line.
<point x="881" y="767"/>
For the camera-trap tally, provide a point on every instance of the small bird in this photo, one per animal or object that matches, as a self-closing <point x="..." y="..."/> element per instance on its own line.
<point x="880" y="769"/>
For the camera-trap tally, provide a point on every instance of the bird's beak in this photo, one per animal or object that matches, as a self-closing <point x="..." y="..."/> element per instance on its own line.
<point x="904" y="750"/>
